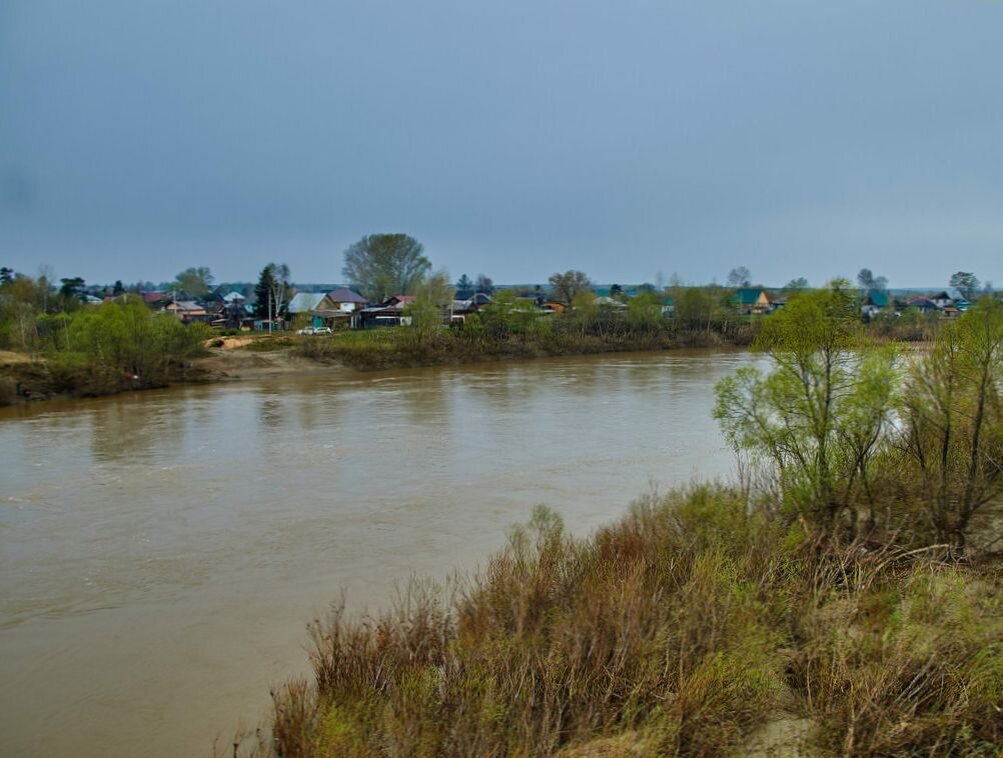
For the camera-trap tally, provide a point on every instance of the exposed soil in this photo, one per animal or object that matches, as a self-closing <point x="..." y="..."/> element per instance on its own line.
<point x="230" y="363"/>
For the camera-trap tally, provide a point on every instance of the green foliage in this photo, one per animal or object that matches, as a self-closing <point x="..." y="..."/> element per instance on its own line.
<point x="815" y="420"/>
<point x="271" y="293"/>
<point x="425" y="318"/>
<point x="967" y="282"/>
<point x="383" y="265"/>
<point x="195" y="281"/>
<point x="700" y="308"/>
<point x="508" y="314"/>
<point x="72" y="288"/>
<point x="126" y="343"/>
<point x="644" y="312"/>
<point x="565" y="287"/>
<point x="952" y="413"/>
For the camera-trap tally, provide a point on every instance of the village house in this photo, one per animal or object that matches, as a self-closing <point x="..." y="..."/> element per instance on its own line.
<point x="389" y="313"/>
<point x="942" y="300"/>
<point x="461" y="308"/>
<point x="923" y="304"/>
<point x="303" y="303"/>
<point x="188" y="311"/>
<point x="873" y="303"/>
<point x="751" y="300"/>
<point x="959" y="300"/>
<point x="155" y="300"/>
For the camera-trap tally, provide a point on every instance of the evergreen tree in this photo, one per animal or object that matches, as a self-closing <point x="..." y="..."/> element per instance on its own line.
<point x="263" y="293"/>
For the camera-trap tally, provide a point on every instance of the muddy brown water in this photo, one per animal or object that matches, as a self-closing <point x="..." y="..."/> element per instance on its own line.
<point x="161" y="552"/>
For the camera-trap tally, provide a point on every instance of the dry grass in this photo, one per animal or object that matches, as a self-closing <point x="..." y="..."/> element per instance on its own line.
<point x="677" y="631"/>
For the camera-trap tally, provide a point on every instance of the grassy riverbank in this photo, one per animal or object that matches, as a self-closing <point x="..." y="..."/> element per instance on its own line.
<point x="691" y="627"/>
<point x="112" y="348"/>
<point x="402" y="347"/>
<point x="73" y="374"/>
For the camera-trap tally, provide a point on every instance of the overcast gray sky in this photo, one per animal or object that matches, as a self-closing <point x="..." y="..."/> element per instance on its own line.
<point x="512" y="138"/>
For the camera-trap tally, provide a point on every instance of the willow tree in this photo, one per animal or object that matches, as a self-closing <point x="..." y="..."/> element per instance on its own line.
<point x="383" y="265"/>
<point x="429" y="309"/>
<point x="566" y="286"/>
<point x="816" y="418"/>
<point x="952" y="421"/>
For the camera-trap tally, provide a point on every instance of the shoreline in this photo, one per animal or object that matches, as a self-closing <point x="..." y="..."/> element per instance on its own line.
<point x="236" y="362"/>
<point x="232" y="359"/>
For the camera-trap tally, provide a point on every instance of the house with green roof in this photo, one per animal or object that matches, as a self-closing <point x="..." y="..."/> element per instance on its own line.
<point x="874" y="302"/>
<point x="751" y="300"/>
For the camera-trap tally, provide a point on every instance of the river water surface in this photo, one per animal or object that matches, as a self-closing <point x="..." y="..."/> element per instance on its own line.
<point x="161" y="552"/>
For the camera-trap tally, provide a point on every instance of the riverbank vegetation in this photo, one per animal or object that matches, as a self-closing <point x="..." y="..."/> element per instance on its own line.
<point x="843" y="598"/>
<point x="93" y="350"/>
<point x="512" y="327"/>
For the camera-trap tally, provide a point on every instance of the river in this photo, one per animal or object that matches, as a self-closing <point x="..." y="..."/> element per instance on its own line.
<point x="161" y="552"/>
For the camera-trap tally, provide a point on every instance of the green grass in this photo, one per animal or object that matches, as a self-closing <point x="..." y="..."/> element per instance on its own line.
<point x="401" y="347"/>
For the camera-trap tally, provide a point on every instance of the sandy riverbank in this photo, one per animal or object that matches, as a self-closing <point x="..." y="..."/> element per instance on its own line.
<point x="234" y="362"/>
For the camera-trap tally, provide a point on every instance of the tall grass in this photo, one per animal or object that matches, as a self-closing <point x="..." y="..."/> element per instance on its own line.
<point x="678" y="631"/>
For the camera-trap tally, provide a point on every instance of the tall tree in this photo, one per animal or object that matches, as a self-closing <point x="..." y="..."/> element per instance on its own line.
<point x="815" y="420"/>
<point x="565" y="286"/>
<point x="966" y="282"/>
<point x="195" y="281"/>
<point x="263" y="293"/>
<point x="72" y="288"/>
<point x="6" y="275"/>
<point x="464" y="283"/>
<point x="485" y="284"/>
<point x="739" y="277"/>
<point x="272" y="291"/>
<point x="118" y="289"/>
<point x="952" y="420"/>
<point x="383" y="265"/>
<point x="868" y="281"/>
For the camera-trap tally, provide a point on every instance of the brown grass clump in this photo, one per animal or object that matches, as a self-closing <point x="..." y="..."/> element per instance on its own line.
<point x="677" y="631"/>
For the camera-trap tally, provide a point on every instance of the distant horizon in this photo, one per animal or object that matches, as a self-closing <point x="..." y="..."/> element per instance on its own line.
<point x="321" y="286"/>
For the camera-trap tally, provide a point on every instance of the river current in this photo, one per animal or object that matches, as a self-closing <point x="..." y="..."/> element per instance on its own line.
<point x="161" y="552"/>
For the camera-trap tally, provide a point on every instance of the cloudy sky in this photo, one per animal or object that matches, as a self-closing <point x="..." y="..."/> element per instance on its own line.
<point x="626" y="139"/>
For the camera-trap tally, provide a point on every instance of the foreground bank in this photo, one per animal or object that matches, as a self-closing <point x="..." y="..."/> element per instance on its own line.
<point x="688" y="628"/>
